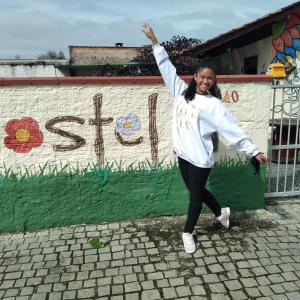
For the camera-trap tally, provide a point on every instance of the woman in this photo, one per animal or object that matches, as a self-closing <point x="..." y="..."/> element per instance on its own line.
<point x="197" y="114"/>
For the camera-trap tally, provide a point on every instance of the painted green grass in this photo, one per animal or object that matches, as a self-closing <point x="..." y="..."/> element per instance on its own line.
<point x="51" y="196"/>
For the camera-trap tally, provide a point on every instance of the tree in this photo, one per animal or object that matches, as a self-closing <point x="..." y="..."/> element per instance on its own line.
<point x="175" y="47"/>
<point x="51" y="54"/>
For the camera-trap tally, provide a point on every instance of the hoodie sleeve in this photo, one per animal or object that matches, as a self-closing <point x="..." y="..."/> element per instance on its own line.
<point x="173" y="82"/>
<point x="230" y="130"/>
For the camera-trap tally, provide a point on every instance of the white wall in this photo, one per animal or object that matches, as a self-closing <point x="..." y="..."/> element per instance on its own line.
<point x="31" y="68"/>
<point x="43" y="103"/>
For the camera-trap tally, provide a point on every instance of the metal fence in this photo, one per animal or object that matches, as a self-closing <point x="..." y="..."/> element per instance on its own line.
<point x="283" y="175"/>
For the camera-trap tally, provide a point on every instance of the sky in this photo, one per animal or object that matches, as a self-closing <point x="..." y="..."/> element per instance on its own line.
<point x="32" y="27"/>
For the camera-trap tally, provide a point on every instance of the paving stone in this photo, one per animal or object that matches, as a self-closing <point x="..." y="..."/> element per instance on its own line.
<point x="219" y="297"/>
<point x="198" y="290"/>
<point x="104" y="290"/>
<point x="22" y="298"/>
<point x="44" y="288"/>
<point x="117" y="289"/>
<point x="276" y="278"/>
<point x="34" y="281"/>
<point x="238" y="295"/>
<point x="176" y="281"/>
<point x="118" y="297"/>
<point x="200" y="271"/>
<point x="289" y="276"/>
<point x="132" y="287"/>
<point x="54" y="296"/>
<point x="162" y="283"/>
<point x="215" y="268"/>
<point x="155" y="276"/>
<point x="248" y="282"/>
<point x="290" y="286"/>
<point x="183" y="291"/>
<point x="26" y="291"/>
<point x="194" y="281"/>
<point x="147" y="285"/>
<point x="293" y="295"/>
<point x="217" y="288"/>
<point x="118" y="279"/>
<point x="210" y="278"/>
<point x="151" y="295"/>
<point x="57" y="287"/>
<point x="69" y="295"/>
<point x="11" y="292"/>
<point x="253" y="292"/>
<point x="38" y="296"/>
<point x="104" y="281"/>
<point x="279" y="297"/>
<point x="13" y="275"/>
<point x="233" y="285"/>
<point x="97" y="274"/>
<point x="170" y="274"/>
<point x="132" y="296"/>
<point x="86" y="293"/>
<point x="89" y="283"/>
<point x="169" y="293"/>
<point x="236" y="256"/>
<point x="265" y="291"/>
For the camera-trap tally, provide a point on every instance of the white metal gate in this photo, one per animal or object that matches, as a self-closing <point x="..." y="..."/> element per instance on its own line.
<point x="283" y="174"/>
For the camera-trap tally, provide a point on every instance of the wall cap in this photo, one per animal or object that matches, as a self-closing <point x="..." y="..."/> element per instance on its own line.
<point x="11" y="81"/>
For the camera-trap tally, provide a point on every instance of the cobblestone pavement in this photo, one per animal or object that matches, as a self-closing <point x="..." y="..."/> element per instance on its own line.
<point x="257" y="258"/>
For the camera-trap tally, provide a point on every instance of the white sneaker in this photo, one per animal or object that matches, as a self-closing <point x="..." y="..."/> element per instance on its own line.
<point x="188" y="242"/>
<point x="224" y="218"/>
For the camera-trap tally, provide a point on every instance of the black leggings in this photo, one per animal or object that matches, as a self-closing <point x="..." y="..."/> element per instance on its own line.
<point x="195" y="179"/>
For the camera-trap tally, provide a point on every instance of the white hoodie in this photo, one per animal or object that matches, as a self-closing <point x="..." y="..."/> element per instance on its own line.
<point x="196" y="120"/>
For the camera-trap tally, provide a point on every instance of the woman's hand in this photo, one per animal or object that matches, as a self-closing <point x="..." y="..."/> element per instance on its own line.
<point x="149" y="33"/>
<point x="261" y="158"/>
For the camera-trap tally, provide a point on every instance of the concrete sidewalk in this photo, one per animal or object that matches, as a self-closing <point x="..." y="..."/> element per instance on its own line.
<point x="257" y="258"/>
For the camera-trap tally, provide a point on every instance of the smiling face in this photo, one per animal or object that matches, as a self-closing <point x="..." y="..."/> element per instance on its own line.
<point x="205" y="78"/>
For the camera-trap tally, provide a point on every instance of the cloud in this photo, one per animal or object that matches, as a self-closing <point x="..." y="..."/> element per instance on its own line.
<point x="31" y="27"/>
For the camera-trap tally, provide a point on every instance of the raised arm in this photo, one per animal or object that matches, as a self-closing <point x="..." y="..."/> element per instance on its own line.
<point x="173" y="82"/>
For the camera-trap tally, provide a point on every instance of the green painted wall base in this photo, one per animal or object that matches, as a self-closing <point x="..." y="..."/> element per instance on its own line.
<point x="36" y="201"/>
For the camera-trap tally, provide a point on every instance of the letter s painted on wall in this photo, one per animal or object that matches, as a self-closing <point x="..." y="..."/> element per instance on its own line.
<point x="79" y="141"/>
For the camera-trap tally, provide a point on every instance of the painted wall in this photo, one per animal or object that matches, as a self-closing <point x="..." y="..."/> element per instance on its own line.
<point x="31" y="68"/>
<point x="85" y="150"/>
<point x="286" y="45"/>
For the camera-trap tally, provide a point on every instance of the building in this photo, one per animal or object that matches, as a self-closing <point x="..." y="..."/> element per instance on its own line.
<point x="252" y="47"/>
<point x="100" y="60"/>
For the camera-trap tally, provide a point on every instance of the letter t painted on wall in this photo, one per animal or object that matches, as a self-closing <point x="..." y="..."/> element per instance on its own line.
<point x="98" y="121"/>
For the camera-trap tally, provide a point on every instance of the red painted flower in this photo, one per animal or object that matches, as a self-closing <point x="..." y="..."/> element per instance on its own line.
<point x="23" y="135"/>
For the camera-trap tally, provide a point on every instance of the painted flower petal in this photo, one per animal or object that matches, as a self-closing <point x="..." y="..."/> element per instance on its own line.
<point x="30" y="124"/>
<point x="11" y="126"/>
<point x="128" y="131"/>
<point x="135" y="120"/>
<point x="120" y="124"/>
<point x="36" y="139"/>
<point x="23" y="146"/>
